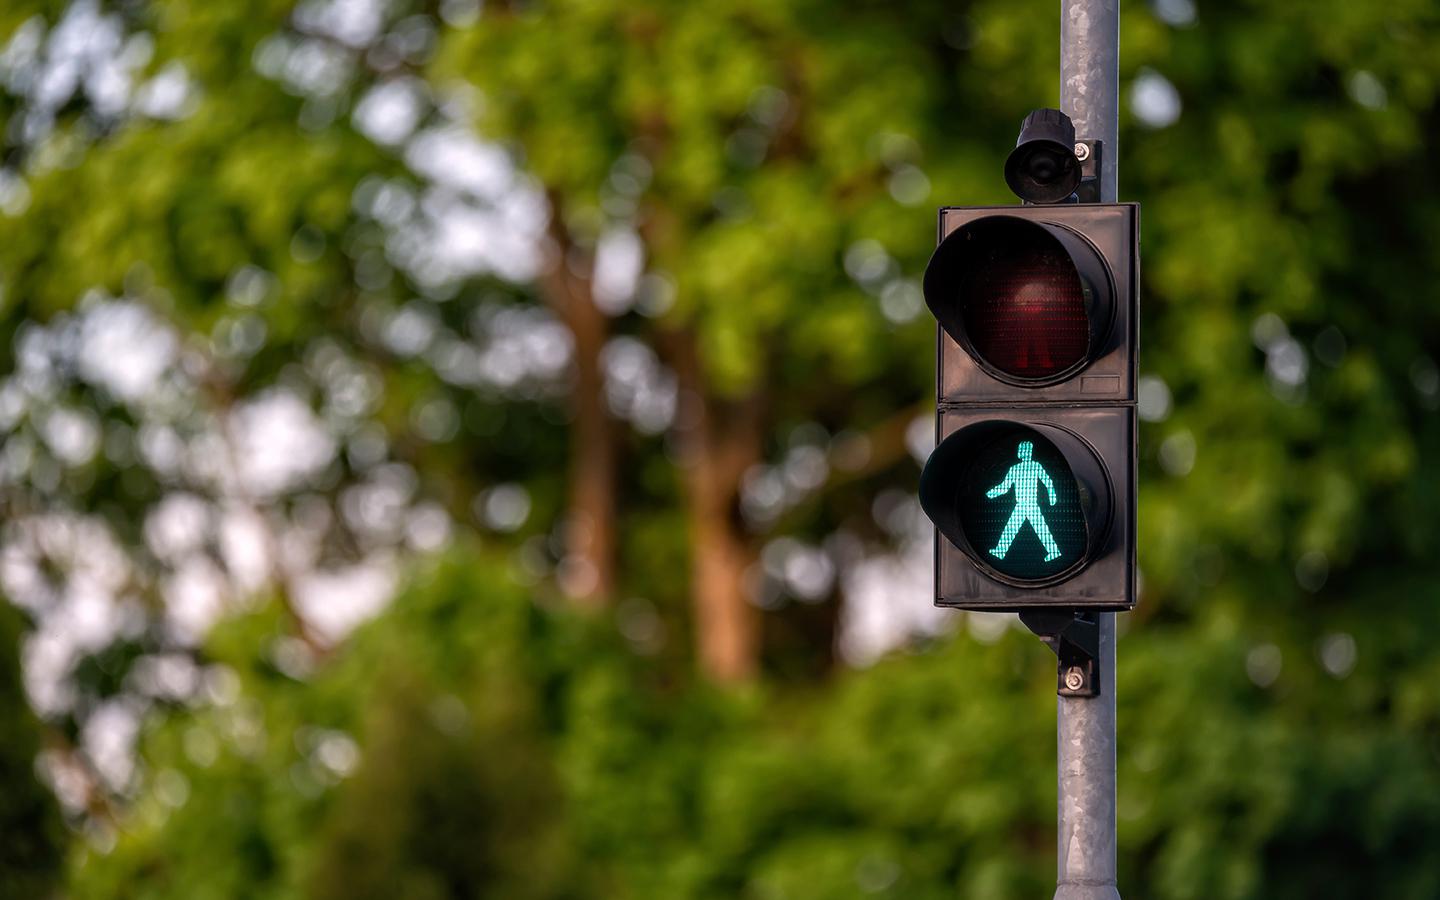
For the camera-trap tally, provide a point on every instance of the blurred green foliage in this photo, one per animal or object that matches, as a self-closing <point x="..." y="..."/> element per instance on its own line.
<point x="1280" y="725"/>
<point x="515" y="752"/>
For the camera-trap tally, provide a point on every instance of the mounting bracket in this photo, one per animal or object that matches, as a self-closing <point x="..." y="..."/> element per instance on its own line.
<point x="1075" y="639"/>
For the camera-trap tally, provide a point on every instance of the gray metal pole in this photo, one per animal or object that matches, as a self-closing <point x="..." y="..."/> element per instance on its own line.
<point x="1090" y="96"/>
<point x="1090" y="79"/>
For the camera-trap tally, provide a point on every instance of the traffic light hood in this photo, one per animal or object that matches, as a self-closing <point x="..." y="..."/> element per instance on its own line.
<point x="1029" y="503"/>
<point x="1032" y="302"/>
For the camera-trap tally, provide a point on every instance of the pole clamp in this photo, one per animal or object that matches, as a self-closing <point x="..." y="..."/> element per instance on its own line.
<point x="1075" y="639"/>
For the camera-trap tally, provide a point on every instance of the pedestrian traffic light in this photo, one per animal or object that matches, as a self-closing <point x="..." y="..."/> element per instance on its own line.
<point x="1032" y="484"/>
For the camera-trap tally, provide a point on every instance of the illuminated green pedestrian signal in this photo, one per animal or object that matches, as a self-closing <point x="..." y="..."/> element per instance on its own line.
<point x="1018" y="505"/>
<point x="1022" y="480"/>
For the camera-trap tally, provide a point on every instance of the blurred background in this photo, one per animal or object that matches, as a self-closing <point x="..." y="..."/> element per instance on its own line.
<point x="456" y="451"/>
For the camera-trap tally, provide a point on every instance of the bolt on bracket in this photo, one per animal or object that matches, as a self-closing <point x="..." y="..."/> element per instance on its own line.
<point x="1089" y="154"/>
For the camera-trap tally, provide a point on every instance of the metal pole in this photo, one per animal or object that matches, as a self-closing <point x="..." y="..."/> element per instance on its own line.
<point x="1090" y="96"/>
<point x="1090" y="79"/>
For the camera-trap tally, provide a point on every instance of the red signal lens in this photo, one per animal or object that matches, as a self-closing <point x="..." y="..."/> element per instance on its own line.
<point x="1024" y="309"/>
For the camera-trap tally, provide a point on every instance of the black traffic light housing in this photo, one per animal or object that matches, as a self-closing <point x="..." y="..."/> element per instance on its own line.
<point x="1036" y="345"/>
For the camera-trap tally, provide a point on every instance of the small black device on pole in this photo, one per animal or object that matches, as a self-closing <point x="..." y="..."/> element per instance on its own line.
<point x="1043" y="167"/>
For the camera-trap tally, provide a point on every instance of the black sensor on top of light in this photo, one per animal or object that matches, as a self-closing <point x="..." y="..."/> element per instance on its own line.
<point x="1043" y="167"/>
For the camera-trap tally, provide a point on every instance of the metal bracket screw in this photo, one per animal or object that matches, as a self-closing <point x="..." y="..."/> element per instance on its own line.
<point x="1074" y="678"/>
<point x="1082" y="151"/>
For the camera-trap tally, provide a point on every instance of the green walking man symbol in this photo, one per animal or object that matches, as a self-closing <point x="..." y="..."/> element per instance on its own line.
<point x="1024" y="478"/>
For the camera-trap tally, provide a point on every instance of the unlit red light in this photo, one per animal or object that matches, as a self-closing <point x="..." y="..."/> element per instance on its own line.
<point x="1025" y="314"/>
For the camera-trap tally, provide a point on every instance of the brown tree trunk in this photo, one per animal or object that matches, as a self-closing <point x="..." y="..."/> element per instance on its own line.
<point x="727" y="632"/>
<point x="719" y="441"/>
<point x="588" y="572"/>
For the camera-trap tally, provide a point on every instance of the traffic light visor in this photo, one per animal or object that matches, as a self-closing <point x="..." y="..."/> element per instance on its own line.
<point x="1025" y="503"/>
<point x="1031" y="302"/>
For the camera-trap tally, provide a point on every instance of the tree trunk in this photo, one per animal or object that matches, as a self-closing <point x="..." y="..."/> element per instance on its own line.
<point x="588" y="572"/>
<point x="727" y="627"/>
<point x="719" y="441"/>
